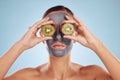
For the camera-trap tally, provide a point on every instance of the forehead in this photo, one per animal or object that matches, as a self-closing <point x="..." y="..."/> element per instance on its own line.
<point x="58" y="16"/>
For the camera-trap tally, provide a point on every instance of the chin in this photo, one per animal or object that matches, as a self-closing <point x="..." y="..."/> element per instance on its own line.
<point x="59" y="53"/>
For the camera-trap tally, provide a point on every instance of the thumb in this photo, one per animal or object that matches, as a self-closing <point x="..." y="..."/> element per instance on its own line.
<point x="42" y="39"/>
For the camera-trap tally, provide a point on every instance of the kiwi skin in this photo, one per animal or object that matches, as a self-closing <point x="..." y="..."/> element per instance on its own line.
<point x="48" y="30"/>
<point x="67" y="29"/>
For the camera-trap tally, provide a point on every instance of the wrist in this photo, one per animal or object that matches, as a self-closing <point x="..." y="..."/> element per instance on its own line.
<point x="20" y="46"/>
<point x="98" y="45"/>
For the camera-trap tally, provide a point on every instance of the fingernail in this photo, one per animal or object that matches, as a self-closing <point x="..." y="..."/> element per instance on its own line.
<point x="49" y="37"/>
<point x="67" y="17"/>
<point x="65" y="36"/>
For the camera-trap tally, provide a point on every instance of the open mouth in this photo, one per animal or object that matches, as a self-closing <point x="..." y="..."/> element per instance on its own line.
<point x="58" y="46"/>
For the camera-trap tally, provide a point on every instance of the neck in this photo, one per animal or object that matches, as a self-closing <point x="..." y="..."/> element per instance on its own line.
<point x="59" y="66"/>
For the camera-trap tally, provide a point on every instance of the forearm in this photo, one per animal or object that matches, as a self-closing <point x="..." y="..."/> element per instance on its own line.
<point x="111" y="63"/>
<point x="9" y="58"/>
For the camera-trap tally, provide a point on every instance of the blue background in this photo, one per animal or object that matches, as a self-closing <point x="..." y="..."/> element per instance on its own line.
<point x="102" y="17"/>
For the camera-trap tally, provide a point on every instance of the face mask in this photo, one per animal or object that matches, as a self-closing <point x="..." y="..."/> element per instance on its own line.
<point x="58" y="46"/>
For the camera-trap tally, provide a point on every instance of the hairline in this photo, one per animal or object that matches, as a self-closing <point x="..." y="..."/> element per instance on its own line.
<point x="53" y="12"/>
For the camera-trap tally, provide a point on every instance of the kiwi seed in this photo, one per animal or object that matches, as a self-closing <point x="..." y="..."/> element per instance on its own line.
<point x="48" y="30"/>
<point x="67" y="29"/>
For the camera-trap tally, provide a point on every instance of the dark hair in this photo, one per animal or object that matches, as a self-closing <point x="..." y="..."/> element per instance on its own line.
<point x="57" y="8"/>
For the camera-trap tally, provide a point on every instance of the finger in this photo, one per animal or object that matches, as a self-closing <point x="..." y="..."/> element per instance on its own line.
<point x="34" y="29"/>
<point x="77" y="20"/>
<point x="69" y="21"/>
<point x="81" y="39"/>
<point x="44" y="23"/>
<point x="41" y="39"/>
<point x="41" y="21"/>
<point x="82" y="26"/>
<point x="42" y="36"/>
<point x="67" y="17"/>
<point x="70" y="37"/>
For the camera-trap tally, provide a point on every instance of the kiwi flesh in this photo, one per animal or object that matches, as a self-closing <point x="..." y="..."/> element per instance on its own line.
<point x="67" y="29"/>
<point x="48" y="30"/>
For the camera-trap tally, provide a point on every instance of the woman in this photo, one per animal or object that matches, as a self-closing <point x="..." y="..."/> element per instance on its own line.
<point x="59" y="46"/>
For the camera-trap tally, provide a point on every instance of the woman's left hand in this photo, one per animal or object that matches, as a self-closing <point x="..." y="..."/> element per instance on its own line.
<point x="82" y="34"/>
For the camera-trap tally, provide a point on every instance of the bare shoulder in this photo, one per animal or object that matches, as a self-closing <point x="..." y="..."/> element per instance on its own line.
<point x="23" y="74"/>
<point x="96" y="71"/>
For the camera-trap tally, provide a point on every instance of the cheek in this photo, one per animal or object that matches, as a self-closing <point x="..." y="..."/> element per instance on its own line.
<point x="67" y="41"/>
<point x="49" y="42"/>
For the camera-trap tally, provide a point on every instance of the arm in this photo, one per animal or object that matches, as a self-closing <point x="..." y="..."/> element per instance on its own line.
<point x="87" y="39"/>
<point x="27" y="41"/>
<point x="8" y="59"/>
<point x="111" y="63"/>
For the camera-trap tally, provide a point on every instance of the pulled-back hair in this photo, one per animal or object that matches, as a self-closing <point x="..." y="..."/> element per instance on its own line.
<point x="57" y="8"/>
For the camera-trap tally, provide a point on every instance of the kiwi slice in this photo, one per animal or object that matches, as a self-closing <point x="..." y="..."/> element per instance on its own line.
<point x="67" y="29"/>
<point x="48" y="30"/>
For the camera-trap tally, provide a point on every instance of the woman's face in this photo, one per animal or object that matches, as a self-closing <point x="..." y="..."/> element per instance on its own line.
<point x="58" y="46"/>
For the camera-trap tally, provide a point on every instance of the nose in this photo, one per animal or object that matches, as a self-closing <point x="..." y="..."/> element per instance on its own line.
<point x="58" y="36"/>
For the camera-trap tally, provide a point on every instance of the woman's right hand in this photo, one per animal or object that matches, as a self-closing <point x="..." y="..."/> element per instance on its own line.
<point x="30" y="39"/>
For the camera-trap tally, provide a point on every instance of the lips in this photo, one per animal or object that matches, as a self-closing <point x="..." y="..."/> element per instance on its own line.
<point x="58" y="46"/>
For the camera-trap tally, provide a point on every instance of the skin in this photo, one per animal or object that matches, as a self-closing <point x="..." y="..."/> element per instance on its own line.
<point x="54" y="70"/>
<point x="58" y="36"/>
